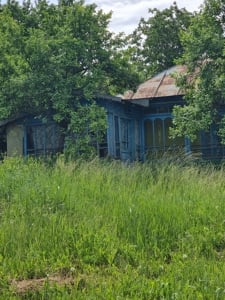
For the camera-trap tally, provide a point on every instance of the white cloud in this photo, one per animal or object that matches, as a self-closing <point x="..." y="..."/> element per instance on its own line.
<point x="127" y="13"/>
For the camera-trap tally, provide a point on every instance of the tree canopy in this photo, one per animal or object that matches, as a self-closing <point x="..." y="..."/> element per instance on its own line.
<point x="155" y="44"/>
<point x="53" y="56"/>
<point x="204" y="82"/>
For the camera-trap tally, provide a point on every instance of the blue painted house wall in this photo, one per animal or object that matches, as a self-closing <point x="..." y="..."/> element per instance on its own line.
<point x="124" y="136"/>
<point x="141" y="131"/>
<point x="130" y="125"/>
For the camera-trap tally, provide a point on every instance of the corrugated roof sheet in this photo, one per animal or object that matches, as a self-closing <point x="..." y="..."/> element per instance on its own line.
<point x="161" y="85"/>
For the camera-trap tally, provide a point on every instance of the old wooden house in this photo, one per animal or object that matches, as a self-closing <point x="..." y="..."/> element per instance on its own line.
<point x="138" y="126"/>
<point x="139" y="123"/>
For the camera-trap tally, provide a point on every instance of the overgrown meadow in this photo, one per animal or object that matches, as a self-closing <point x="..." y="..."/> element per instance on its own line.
<point x="107" y="230"/>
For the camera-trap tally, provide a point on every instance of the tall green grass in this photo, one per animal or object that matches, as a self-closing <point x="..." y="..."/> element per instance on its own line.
<point x="120" y="231"/>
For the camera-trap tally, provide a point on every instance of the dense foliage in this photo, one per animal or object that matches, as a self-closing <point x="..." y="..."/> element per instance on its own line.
<point x="52" y="57"/>
<point x="204" y="83"/>
<point x="156" y="43"/>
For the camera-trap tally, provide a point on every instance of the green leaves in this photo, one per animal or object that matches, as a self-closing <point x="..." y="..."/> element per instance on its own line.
<point x="203" y="44"/>
<point x="52" y="57"/>
<point x="156" y="41"/>
<point x="87" y="129"/>
<point x="67" y="50"/>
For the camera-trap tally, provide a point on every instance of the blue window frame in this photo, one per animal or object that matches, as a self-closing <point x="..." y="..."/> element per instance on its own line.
<point x="156" y="134"/>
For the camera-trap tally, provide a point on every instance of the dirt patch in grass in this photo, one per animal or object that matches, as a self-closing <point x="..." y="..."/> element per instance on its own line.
<point x="26" y="285"/>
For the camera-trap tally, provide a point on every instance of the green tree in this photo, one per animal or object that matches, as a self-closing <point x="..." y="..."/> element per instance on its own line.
<point x="55" y="57"/>
<point x="155" y="44"/>
<point x="204" y="81"/>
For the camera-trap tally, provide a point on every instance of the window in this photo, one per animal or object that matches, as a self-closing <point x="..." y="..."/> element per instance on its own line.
<point x="124" y="134"/>
<point x="157" y="136"/>
<point x="149" y="132"/>
<point x="117" y="137"/>
<point x="42" y="139"/>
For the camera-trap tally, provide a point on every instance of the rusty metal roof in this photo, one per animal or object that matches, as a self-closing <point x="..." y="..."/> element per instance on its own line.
<point x="161" y="85"/>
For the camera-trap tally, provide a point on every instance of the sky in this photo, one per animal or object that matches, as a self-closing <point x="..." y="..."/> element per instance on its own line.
<point x="127" y="13"/>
